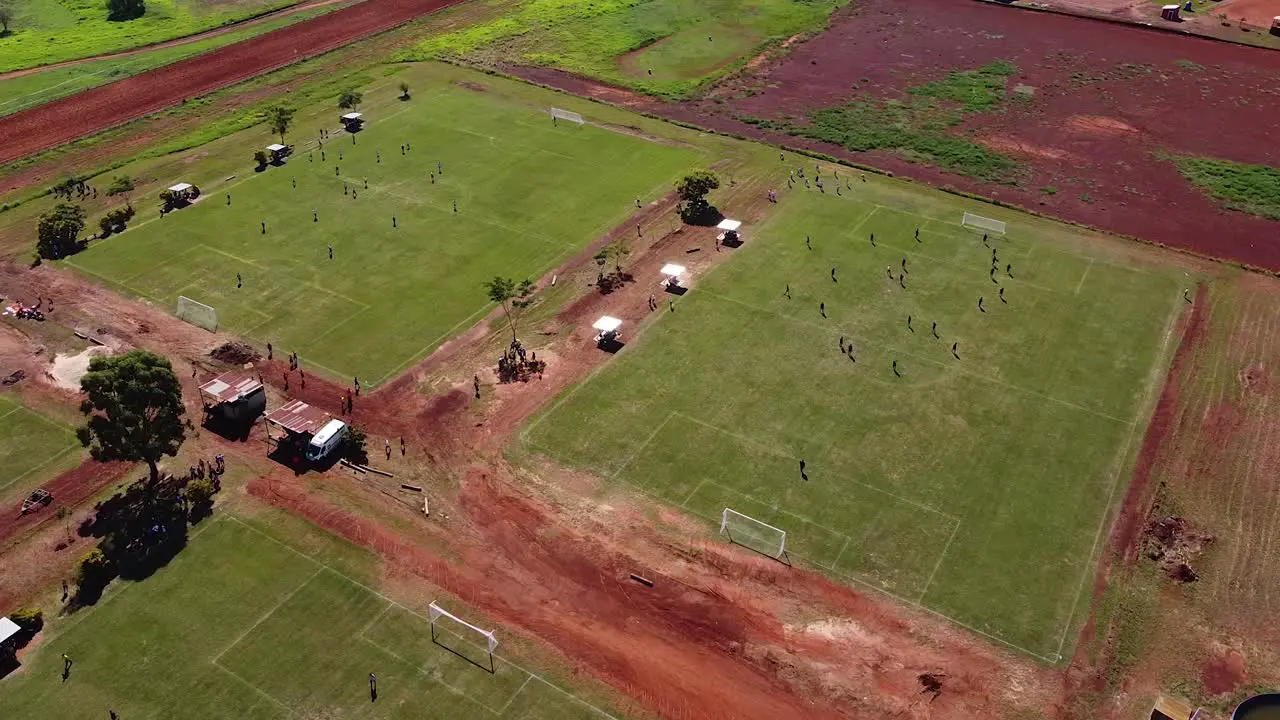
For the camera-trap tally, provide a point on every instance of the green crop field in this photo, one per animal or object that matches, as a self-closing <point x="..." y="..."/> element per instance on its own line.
<point x="407" y="268"/>
<point x="685" y="44"/>
<point x="242" y="626"/>
<point x="32" y="448"/>
<point x="50" y="31"/>
<point x="24" y="91"/>
<point x="974" y="485"/>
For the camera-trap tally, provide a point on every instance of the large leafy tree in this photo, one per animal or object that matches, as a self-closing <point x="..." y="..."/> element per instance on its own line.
<point x="512" y="296"/>
<point x="58" y="232"/>
<point x="280" y="118"/>
<point x="350" y="100"/>
<point x="693" y="189"/>
<point x="134" y="404"/>
<point x="6" y="17"/>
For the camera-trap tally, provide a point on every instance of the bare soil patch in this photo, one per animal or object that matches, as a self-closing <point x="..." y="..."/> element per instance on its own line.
<point x="1114" y="99"/>
<point x="1224" y="673"/>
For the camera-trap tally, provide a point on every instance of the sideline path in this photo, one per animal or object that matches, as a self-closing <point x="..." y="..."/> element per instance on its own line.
<point x="97" y="109"/>
<point x="184" y="40"/>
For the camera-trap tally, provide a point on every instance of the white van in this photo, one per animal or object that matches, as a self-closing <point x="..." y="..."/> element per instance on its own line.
<point x="327" y="440"/>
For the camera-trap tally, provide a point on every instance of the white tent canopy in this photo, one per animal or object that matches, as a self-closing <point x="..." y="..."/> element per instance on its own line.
<point x="730" y="225"/>
<point x="180" y="187"/>
<point x="672" y="270"/>
<point x="8" y="629"/>
<point x="351" y="116"/>
<point x="607" y="324"/>
<point x="275" y="147"/>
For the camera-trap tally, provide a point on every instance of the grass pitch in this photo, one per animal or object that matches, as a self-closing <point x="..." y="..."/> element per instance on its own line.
<point x="241" y="626"/>
<point x="975" y="487"/>
<point x="407" y="270"/>
<point x="32" y="449"/>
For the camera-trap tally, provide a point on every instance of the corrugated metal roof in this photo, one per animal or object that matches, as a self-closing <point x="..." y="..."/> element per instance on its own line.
<point x="230" y="387"/>
<point x="298" y="417"/>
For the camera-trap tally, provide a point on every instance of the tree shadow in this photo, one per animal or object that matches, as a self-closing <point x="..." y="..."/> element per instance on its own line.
<point x="705" y="216"/>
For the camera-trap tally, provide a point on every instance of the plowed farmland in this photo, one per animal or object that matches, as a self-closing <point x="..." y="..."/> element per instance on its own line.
<point x="89" y="112"/>
<point x="1092" y="113"/>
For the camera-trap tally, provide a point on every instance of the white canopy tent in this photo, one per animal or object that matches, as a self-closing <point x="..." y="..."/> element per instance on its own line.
<point x="607" y="329"/>
<point x="180" y="188"/>
<point x="729" y="225"/>
<point x="8" y="629"/>
<point x="352" y="116"/>
<point x="275" y="147"/>
<point x="671" y="273"/>
<point x="728" y="231"/>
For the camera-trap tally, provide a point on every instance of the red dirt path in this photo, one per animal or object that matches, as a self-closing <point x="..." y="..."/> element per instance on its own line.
<point x="1109" y="98"/>
<point x="97" y="109"/>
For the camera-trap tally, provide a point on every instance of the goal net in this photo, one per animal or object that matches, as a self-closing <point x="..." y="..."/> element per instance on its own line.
<point x="982" y="224"/>
<point x="751" y="533"/>
<point x="197" y="314"/>
<point x="559" y="114"/>
<point x="443" y="621"/>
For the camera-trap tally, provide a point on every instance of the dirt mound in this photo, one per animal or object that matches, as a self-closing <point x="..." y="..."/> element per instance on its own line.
<point x="1174" y="543"/>
<point x="1224" y="673"/>
<point x="235" y="353"/>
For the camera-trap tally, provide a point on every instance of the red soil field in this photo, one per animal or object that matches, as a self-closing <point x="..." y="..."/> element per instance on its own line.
<point x="92" y="111"/>
<point x="1109" y="99"/>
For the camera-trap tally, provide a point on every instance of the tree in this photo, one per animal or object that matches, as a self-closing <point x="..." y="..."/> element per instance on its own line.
<point x="121" y="185"/>
<point x="617" y="251"/>
<point x="404" y="90"/>
<point x="64" y="513"/>
<point x="134" y="404"/>
<point x="93" y="572"/>
<point x="511" y="297"/>
<point x="58" y="232"/>
<point x="350" y="100"/>
<point x="6" y="17"/>
<point x="280" y="117"/>
<point x="199" y="497"/>
<point x="121" y="10"/>
<point x="260" y="157"/>
<point x="693" y="189"/>
<point x="354" y="446"/>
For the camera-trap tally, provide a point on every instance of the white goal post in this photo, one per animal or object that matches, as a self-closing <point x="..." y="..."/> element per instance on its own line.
<point x="197" y="314"/>
<point x="436" y="612"/>
<point x="561" y="114"/>
<point x="983" y="224"/>
<point x="751" y="533"/>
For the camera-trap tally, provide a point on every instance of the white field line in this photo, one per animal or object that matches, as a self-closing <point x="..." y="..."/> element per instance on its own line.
<point x="685" y="505"/>
<point x="259" y="691"/>
<point x="48" y="461"/>
<point x="938" y="564"/>
<point x="638" y="451"/>
<point x="15" y="409"/>
<point x="1084" y="275"/>
<point x="357" y="583"/>
<point x="507" y="704"/>
<point x="266" y="615"/>
<point x="1145" y="408"/>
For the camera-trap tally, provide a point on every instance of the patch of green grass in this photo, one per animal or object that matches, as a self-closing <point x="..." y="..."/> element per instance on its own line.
<point x="915" y="131"/>
<point x="50" y="31"/>
<point x="594" y="39"/>
<point x="33" y="448"/>
<point x="407" y="269"/>
<point x="1252" y="189"/>
<point x="973" y="486"/>
<point x="26" y="91"/>
<point x="973" y="90"/>
<point x="1190" y="65"/>
<point x="241" y="626"/>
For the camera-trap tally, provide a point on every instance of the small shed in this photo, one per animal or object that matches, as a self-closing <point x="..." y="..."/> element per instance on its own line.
<point x="729" y="231"/>
<point x="277" y="152"/>
<point x="1170" y="13"/>
<point x="607" y="329"/>
<point x="234" y="397"/>
<point x="671" y="273"/>
<point x="298" y="423"/>
<point x="352" y="121"/>
<point x="183" y="191"/>
<point x="1275" y="25"/>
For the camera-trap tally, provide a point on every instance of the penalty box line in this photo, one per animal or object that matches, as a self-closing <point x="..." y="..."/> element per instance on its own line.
<point x="411" y="611"/>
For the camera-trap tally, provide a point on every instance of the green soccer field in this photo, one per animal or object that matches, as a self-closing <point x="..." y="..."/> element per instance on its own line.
<point x="241" y="626"/>
<point x="973" y="486"/>
<point x="33" y="448"/>
<point x="407" y="269"/>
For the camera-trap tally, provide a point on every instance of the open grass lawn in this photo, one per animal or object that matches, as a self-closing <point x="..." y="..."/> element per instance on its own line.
<point x="975" y="487"/>
<point x="528" y="194"/>
<point x="22" y="92"/>
<point x="32" y="449"/>
<point x="50" y="31"/>
<point x="241" y="626"/>
<point x="669" y="37"/>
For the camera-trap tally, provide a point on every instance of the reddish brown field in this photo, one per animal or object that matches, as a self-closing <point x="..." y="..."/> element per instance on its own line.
<point x="92" y="111"/>
<point x="1100" y="132"/>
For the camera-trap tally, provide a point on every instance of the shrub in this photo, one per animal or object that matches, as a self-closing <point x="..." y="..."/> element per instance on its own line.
<point x="260" y="157"/>
<point x="31" y="620"/>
